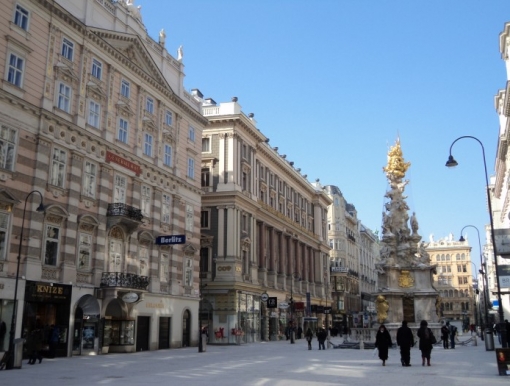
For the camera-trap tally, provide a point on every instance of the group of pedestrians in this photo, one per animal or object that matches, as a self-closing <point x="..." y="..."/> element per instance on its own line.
<point x="448" y="335"/>
<point x="322" y="335"/>
<point x="405" y="340"/>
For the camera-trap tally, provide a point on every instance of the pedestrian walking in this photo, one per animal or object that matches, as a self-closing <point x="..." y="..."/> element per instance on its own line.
<point x="309" y="337"/>
<point x="34" y="346"/>
<point x="383" y="343"/>
<point x="299" y="332"/>
<point x="427" y="340"/>
<point x="321" y="337"/>
<point x="445" y="331"/>
<point x="453" y="334"/>
<point x="405" y="340"/>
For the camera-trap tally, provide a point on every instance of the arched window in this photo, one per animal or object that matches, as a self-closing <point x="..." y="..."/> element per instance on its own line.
<point x="447" y="257"/>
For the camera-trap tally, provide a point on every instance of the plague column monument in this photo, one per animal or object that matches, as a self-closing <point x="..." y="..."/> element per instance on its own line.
<point x="405" y="273"/>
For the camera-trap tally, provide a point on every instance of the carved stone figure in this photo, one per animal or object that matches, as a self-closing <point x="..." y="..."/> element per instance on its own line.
<point x="414" y="224"/>
<point x="162" y="37"/>
<point x="180" y="54"/>
<point x="382" y="307"/>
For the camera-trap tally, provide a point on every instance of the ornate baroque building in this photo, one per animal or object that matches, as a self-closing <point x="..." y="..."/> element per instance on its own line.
<point x="95" y="123"/>
<point x="263" y="232"/>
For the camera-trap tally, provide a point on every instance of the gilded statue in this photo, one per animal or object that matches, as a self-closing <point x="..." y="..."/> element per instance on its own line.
<point x="396" y="166"/>
<point x="382" y="307"/>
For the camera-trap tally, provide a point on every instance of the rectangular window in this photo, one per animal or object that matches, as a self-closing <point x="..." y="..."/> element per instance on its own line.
<point x="119" y="190"/>
<point x="21" y="17"/>
<point x="64" y="98"/>
<point x="188" y="273"/>
<point x="16" y="67"/>
<point x="125" y="88"/>
<point x="204" y="219"/>
<point x="149" y="105"/>
<point x="165" y="209"/>
<point x="191" y="168"/>
<point x="67" y="49"/>
<point x="191" y="134"/>
<point x="84" y="251"/>
<point x="167" y="159"/>
<point x="459" y="268"/>
<point x="206" y="145"/>
<point x="164" y="276"/>
<point x="189" y="218"/>
<point x="89" y="179"/>
<point x="51" y="245"/>
<point x="205" y="180"/>
<point x="146" y="201"/>
<point x="7" y="148"/>
<point x="4" y="228"/>
<point x="147" y="148"/>
<point x="122" y="135"/>
<point x="169" y="118"/>
<point x="58" y="167"/>
<point x="94" y="114"/>
<point x="97" y="69"/>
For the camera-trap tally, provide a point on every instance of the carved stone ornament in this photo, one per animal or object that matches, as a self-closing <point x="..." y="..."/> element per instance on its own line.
<point x="405" y="279"/>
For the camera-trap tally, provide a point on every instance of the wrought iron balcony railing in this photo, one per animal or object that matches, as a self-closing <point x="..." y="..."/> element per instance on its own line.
<point x="125" y="280"/>
<point x="119" y="209"/>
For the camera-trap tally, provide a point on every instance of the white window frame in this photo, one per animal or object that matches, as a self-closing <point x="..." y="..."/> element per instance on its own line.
<point x="64" y="97"/>
<point x="143" y="256"/>
<point x="167" y="157"/>
<point x="123" y="131"/>
<point x="191" y="133"/>
<point x="166" y="200"/>
<point x="89" y="179"/>
<point x="149" y="105"/>
<point x="15" y="73"/>
<point x="94" y="117"/>
<point x="67" y="50"/>
<point x="97" y="68"/>
<point x="58" y="167"/>
<point x="21" y="17"/>
<point x="125" y="88"/>
<point x="205" y="219"/>
<point x="5" y="219"/>
<point x="115" y="252"/>
<point x="51" y="240"/>
<point x="169" y="118"/>
<point x="8" y="147"/>
<point x="119" y="189"/>
<point x="147" y="147"/>
<point x="206" y="145"/>
<point x="164" y="268"/>
<point x="190" y="218"/>
<point x="84" y="251"/>
<point x="188" y="272"/>
<point x="191" y="168"/>
<point x="146" y="200"/>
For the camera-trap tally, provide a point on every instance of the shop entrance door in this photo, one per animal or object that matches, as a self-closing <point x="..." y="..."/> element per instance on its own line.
<point x="164" y="332"/>
<point x="186" y="324"/>
<point x="142" y="333"/>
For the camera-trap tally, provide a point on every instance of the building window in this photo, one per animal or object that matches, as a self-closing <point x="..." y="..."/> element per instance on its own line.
<point x="205" y="177"/>
<point x="89" y="179"/>
<point x="204" y="219"/>
<point x="189" y="218"/>
<point x="169" y="118"/>
<point x="64" y="98"/>
<point x="143" y="254"/>
<point x="115" y="254"/>
<point x="51" y="245"/>
<point x="123" y="130"/>
<point x="125" y="88"/>
<point x="167" y="159"/>
<point x="84" y="251"/>
<point x="58" y="167"/>
<point x="147" y="149"/>
<point x="191" y="168"/>
<point x="7" y="147"/>
<point x="191" y="134"/>
<point x="97" y="68"/>
<point x="188" y="272"/>
<point x="16" y="68"/>
<point x="94" y="114"/>
<point x="119" y="190"/>
<point x="149" y="105"/>
<point x="67" y="49"/>
<point x="163" y="268"/>
<point x="21" y="17"/>
<point x="146" y="201"/>
<point x="244" y="152"/>
<point x="4" y="228"/>
<point x="206" y="145"/>
<point x="165" y="208"/>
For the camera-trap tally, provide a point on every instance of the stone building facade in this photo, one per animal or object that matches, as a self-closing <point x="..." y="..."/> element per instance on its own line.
<point x="95" y="123"/>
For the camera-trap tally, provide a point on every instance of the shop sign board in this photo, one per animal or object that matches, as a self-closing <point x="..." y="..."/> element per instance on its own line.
<point x="283" y="305"/>
<point x="130" y="297"/>
<point x="272" y="302"/>
<point x="171" y="240"/>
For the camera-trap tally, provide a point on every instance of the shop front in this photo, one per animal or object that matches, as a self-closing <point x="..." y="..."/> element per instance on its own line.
<point x="86" y="326"/>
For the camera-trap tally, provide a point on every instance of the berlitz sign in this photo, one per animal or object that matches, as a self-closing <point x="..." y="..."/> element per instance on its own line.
<point x="169" y="240"/>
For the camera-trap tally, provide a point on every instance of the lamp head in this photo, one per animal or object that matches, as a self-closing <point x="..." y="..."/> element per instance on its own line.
<point x="40" y="208"/>
<point x="461" y="239"/>
<point x="451" y="162"/>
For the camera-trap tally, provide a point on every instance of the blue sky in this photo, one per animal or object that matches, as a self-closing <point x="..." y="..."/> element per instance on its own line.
<point x="334" y="83"/>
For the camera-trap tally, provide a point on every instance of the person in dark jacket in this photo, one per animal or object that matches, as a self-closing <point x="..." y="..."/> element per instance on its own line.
<point x="405" y="340"/>
<point x="426" y="342"/>
<point x="309" y="337"/>
<point x="321" y="337"/>
<point x="383" y="343"/>
<point x="445" y="332"/>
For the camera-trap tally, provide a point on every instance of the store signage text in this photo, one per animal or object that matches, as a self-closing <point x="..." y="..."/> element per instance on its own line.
<point x="111" y="157"/>
<point x="170" y="240"/>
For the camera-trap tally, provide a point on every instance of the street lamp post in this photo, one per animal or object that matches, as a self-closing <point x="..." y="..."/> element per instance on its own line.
<point x="451" y="163"/>
<point x="12" y="333"/>
<point x="291" y="327"/>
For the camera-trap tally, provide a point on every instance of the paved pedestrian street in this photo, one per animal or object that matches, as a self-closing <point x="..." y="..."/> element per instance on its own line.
<point x="267" y="363"/>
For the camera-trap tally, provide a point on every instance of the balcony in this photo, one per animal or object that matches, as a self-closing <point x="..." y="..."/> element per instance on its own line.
<point x="121" y="214"/>
<point x="124" y="280"/>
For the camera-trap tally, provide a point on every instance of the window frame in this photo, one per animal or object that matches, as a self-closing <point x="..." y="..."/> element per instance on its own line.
<point x="166" y="201"/>
<point x="169" y="118"/>
<point x="67" y="49"/>
<point x="5" y="232"/>
<point x="12" y="144"/>
<point x="205" y="218"/>
<point x="96" y="69"/>
<point x="14" y="71"/>
<point x="89" y="180"/>
<point x="188" y="272"/>
<point x="145" y="200"/>
<point x="64" y="99"/>
<point x="52" y="240"/>
<point x="206" y="145"/>
<point x="58" y="177"/>
<point x="149" y="105"/>
<point x="123" y="132"/>
<point x="94" y="114"/>
<point x="191" y="133"/>
<point x="191" y="168"/>
<point x="167" y="155"/>
<point x="148" y="144"/>
<point x="20" y="19"/>
<point x="84" y="248"/>
<point x="119" y="189"/>
<point x="125" y="88"/>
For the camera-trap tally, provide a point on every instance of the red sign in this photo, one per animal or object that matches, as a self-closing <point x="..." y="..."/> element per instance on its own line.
<point x="299" y="306"/>
<point x="110" y="157"/>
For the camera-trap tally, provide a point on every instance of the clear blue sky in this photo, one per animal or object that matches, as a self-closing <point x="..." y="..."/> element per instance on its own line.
<point x="334" y="83"/>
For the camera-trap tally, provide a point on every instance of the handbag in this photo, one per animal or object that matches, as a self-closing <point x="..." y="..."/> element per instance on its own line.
<point x="375" y="352"/>
<point x="433" y="339"/>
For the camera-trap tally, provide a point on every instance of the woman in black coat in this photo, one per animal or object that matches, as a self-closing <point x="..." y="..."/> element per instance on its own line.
<point x="383" y="343"/>
<point x="427" y="340"/>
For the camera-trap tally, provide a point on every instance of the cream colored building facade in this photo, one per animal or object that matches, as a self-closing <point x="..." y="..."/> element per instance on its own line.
<point x="95" y="122"/>
<point x="454" y="279"/>
<point x="263" y="233"/>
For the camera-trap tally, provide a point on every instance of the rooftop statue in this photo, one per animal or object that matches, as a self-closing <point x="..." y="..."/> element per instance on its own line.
<point x="396" y="167"/>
